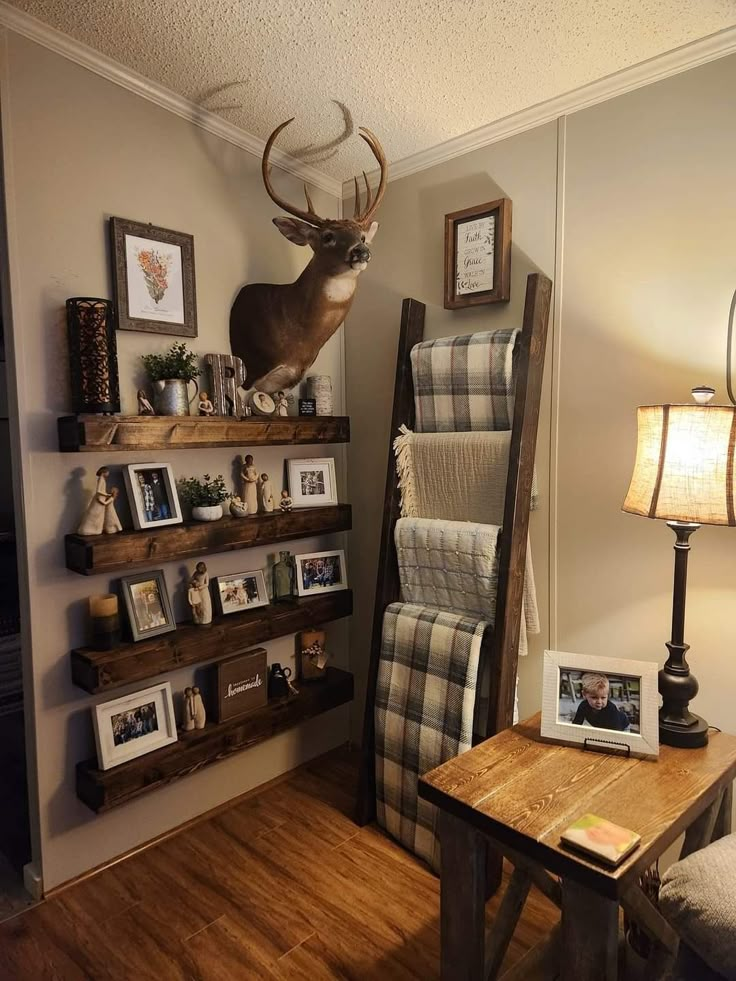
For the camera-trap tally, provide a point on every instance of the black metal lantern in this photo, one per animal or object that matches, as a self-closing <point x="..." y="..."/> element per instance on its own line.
<point x="93" y="355"/>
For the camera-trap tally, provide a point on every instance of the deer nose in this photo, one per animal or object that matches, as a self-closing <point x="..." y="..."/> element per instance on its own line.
<point x="360" y="253"/>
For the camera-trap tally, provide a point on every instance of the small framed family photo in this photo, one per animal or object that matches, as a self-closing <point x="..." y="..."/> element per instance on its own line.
<point x="133" y="725"/>
<point x="240" y="592"/>
<point x="312" y="482"/>
<point x="153" y="277"/>
<point x="147" y="604"/>
<point x="152" y="495"/>
<point x="321" y="572"/>
<point x="601" y="701"/>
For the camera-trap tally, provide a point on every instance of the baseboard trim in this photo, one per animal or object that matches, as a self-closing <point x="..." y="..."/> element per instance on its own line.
<point x="32" y="881"/>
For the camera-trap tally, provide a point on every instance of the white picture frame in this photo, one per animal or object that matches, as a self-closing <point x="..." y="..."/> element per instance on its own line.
<point x="312" y="482"/>
<point x="234" y="593"/>
<point x="136" y="724"/>
<point x="321" y="572"/>
<point x="159" y="477"/>
<point x="631" y="693"/>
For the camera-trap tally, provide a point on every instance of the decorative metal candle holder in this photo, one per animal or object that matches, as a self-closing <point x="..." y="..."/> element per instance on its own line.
<point x="93" y="355"/>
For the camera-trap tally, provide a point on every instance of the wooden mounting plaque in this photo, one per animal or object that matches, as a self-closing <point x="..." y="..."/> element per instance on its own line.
<point x="102" y="790"/>
<point x="97" y="434"/>
<point x="100" y="671"/>
<point x="90" y="555"/>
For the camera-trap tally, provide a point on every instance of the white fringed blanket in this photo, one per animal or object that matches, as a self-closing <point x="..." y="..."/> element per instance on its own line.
<point x="425" y="700"/>
<point x="454" y="476"/>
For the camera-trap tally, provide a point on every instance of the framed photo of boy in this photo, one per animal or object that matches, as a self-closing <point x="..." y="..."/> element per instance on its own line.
<point x="240" y="592"/>
<point x="601" y="700"/>
<point x="133" y="725"/>
<point x="147" y="604"/>
<point x="321" y="572"/>
<point x="153" y="278"/>
<point x="152" y="495"/>
<point x="312" y="483"/>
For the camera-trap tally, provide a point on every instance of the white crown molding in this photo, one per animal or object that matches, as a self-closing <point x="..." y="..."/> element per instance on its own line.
<point x="35" y="30"/>
<point x="645" y="73"/>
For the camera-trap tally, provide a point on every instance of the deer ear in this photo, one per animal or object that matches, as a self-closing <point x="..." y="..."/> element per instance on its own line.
<point x="371" y="232"/>
<point x="298" y="232"/>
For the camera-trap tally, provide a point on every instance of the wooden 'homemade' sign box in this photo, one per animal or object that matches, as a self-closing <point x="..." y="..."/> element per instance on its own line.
<point x="241" y="684"/>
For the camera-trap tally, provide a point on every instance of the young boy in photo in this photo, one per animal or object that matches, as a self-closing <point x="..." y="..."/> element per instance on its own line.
<point x="595" y="708"/>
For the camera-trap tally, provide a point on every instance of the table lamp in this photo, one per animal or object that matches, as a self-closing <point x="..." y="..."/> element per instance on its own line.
<point x="684" y="473"/>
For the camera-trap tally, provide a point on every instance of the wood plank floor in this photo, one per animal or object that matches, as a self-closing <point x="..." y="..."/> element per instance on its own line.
<point x="281" y="885"/>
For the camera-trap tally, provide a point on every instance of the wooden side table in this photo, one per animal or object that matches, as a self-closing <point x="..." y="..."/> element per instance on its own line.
<point x="517" y="794"/>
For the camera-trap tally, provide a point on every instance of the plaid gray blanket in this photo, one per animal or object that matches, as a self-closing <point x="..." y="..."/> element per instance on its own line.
<point x="464" y="383"/>
<point x="424" y="707"/>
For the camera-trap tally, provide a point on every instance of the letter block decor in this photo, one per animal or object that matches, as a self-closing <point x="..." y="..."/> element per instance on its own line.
<point x="227" y="373"/>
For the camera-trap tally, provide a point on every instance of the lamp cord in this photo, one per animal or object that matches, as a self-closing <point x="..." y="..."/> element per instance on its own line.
<point x="729" y="344"/>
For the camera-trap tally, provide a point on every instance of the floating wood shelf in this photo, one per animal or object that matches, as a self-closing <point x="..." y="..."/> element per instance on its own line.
<point x="90" y="555"/>
<point x="97" y="671"/>
<point x="95" y="434"/>
<point x="102" y="790"/>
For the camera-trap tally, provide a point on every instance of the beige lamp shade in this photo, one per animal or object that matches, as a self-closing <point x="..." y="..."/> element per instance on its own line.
<point x="684" y="468"/>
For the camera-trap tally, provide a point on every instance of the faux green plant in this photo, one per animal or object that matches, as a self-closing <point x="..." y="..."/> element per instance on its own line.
<point x="178" y="362"/>
<point x="203" y="493"/>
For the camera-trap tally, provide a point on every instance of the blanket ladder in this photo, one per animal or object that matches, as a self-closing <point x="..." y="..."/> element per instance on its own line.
<point x="501" y="643"/>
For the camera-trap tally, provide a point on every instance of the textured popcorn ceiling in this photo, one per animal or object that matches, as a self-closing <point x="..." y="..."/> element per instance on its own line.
<point x="417" y="72"/>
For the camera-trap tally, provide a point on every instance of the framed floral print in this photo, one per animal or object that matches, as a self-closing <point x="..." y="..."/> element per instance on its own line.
<point x="153" y="278"/>
<point x="478" y="255"/>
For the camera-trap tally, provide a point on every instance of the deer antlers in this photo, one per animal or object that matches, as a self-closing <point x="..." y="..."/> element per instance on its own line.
<point x="363" y="217"/>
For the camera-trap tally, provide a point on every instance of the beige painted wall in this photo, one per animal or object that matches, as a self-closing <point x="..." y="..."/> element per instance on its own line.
<point x="78" y="149"/>
<point x="648" y="253"/>
<point x="408" y="261"/>
<point x="649" y="270"/>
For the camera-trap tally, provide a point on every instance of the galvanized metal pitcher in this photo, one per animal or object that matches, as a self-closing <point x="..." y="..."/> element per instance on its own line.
<point x="171" y="396"/>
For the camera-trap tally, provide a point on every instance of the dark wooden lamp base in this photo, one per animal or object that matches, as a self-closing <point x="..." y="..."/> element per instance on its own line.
<point x="678" y="726"/>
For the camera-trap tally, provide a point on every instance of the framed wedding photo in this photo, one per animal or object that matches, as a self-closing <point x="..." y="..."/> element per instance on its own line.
<point x="152" y="495"/>
<point x="605" y="702"/>
<point x="153" y="278"/>
<point x="147" y="604"/>
<point x="134" y="725"/>
<point x="312" y="483"/>
<point x="321" y="572"/>
<point x="240" y="592"/>
<point x="478" y="255"/>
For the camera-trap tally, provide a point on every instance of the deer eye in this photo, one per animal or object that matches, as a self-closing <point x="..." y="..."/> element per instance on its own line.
<point x="362" y="238"/>
<point x="328" y="238"/>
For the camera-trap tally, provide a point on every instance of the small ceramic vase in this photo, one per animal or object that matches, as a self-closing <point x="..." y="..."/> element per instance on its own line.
<point x="212" y="512"/>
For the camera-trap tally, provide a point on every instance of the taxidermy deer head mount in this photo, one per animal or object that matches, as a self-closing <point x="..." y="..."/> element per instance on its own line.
<point x="278" y="330"/>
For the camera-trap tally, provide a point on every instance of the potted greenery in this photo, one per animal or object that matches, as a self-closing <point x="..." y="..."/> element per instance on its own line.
<point x="170" y="373"/>
<point x="204" y="496"/>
